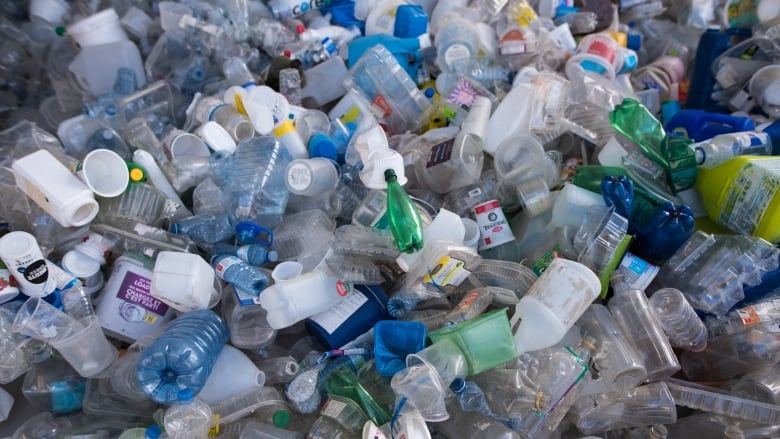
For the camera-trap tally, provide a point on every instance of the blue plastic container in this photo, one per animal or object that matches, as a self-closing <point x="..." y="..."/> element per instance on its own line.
<point x="350" y="318"/>
<point x="702" y="125"/>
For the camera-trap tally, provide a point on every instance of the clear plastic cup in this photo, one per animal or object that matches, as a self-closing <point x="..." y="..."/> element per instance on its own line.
<point x="87" y="350"/>
<point x="311" y="177"/>
<point x="39" y="319"/>
<point x="445" y="357"/>
<point x="423" y="390"/>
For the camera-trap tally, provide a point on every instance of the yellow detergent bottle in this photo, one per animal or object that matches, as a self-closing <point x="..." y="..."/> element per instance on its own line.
<point x="743" y="195"/>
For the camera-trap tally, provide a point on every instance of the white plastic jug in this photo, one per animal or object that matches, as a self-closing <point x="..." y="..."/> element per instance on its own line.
<point x="553" y="304"/>
<point x="303" y="296"/>
<point x="183" y="281"/>
<point x="233" y="374"/>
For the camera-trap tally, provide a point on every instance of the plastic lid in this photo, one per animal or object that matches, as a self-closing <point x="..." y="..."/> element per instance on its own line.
<point x="281" y="418"/>
<point x="216" y="137"/>
<point x="634" y="41"/>
<point x="261" y="116"/>
<point x="185" y="396"/>
<point x="18" y="244"/>
<point x="153" y="432"/>
<point x="137" y="175"/>
<point x="321" y="145"/>
<point x="79" y="264"/>
<point x="458" y="385"/>
<point x="272" y="256"/>
<point x="411" y="21"/>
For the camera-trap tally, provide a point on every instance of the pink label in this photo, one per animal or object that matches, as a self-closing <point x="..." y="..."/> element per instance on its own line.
<point x="604" y="48"/>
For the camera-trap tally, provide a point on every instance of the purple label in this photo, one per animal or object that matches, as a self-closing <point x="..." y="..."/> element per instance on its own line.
<point x="135" y="289"/>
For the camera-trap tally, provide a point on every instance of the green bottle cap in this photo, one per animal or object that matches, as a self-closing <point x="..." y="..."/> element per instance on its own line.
<point x="281" y="418"/>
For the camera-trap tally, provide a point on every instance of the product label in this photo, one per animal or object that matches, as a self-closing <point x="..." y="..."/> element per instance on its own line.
<point x="7" y="282"/>
<point x="135" y="289"/>
<point x="749" y="195"/>
<point x="493" y="227"/>
<point x="32" y="273"/>
<point x="333" y="408"/>
<point x="226" y="263"/>
<point x="542" y="263"/>
<point x="760" y="313"/>
<point x="334" y="317"/>
<point x="447" y="271"/>
<point x="440" y="153"/>
<point x="464" y="93"/>
<point x="98" y="243"/>
<point x="466" y="302"/>
<point x="604" y="48"/>
<point x="381" y="104"/>
<point x="637" y="272"/>
<point x="299" y="177"/>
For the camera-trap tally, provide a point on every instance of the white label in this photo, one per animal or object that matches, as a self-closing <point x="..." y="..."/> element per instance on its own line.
<point x="332" y="318"/>
<point x="32" y="273"/>
<point x="637" y="272"/>
<point x="226" y="263"/>
<point x="760" y="313"/>
<point x="456" y="53"/>
<point x="299" y="177"/>
<point x="749" y="195"/>
<point x="333" y="408"/>
<point x="371" y="431"/>
<point x="447" y="271"/>
<point x="493" y="227"/>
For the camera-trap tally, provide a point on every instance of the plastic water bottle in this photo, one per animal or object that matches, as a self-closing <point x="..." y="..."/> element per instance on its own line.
<point x="182" y="357"/>
<point x="190" y="419"/>
<point x="678" y="320"/>
<point x="205" y="228"/>
<point x="252" y="254"/>
<point x="242" y="275"/>
<point x="717" y="150"/>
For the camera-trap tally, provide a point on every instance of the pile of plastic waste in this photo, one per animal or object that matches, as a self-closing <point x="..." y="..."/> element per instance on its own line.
<point x="389" y="219"/>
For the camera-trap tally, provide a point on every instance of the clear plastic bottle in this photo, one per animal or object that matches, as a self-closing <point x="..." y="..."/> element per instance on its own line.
<point x="473" y="425"/>
<point x="182" y="357"/>
<point x="206" y="228"/>
<point x="240" y="274"/>
<point x="635" y="318"/>
<point x="738" y="320"/>
<point x="678" y="320"/>
<point x="457" y="44"/>
<point x="279" y="370"/>
<point x="717" y="150"/>
<point x="253" y="254"/>
<point x="189" y="419"/>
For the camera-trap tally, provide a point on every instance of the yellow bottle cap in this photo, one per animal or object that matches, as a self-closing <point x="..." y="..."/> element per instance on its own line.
<point x="136" y="175"/>
<point x="284" y="127"/>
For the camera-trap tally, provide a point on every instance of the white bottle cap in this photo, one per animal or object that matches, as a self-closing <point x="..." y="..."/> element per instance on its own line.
<point x="98" y="29"/>
<point x="216" y="137"/>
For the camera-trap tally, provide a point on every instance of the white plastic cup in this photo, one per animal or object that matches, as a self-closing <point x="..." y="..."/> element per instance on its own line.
<point x="181" y="144"/>
<point x="104" y="172"/>
<point x="286" y="270"/>
<point x="764" y="86"/>
<point x="471" y="238"/>
<point x="50" y="10"/>
<point x="101" y="28"/>
<point x="572" y="204"/>
<point x="553" y="304"/>
<point x="311" y="177"/>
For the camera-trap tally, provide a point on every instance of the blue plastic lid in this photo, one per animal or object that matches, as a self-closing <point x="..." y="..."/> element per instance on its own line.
<point x="411" y="21"/>
<point x="153" y="432"/>
<point x="566" y="10"/>
<point x="272" y="256"/>
<point x="458" y="385"/>
<point x="321" y="145"/>
<point x="185" y="396"/>
<point x="430" y="92"/>
<point x="634" y="41"/>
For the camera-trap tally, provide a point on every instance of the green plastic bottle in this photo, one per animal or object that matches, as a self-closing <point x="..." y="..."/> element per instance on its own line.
<point x="405" y="221"/>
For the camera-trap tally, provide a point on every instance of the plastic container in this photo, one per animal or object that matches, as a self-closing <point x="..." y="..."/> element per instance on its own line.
<point x="678" y="320"/>
<point x="363" y="307"/>
<point x="311" y="177"/>
<point x="233" y="374"/>
<point x="291" y="301"/>
<point x="55" y="189"/>
<point x="87" y="350"/>
<point x="708" y="399"/>
<point x="183" y="281"/>
<point x="553" y="304"/>
<point x="86" y="269"/>
<point x="104" y="172"/>
<point x="182" y="357"/>
<point x="189" y="419"/>
<point x="101" y="28"/>
<point x="742" y="207"/>
<point x="21" y="254"/>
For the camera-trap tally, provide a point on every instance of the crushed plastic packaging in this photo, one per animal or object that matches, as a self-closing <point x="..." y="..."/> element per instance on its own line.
<point x="386" y="219"/>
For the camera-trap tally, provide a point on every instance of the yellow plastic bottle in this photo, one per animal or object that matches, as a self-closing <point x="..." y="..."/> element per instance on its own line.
<point x="743" y="195"/>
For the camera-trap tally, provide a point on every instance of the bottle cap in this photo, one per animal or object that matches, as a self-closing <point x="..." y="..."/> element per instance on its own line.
<point x="79" y="264"/>
<point x="458" y="385"/>
<point x="153" y="432"/>
<point x="281" y="418"/>
<point x="634" y="41"/>
<point x="185" y="396"/>
<point x="321" y="145"/>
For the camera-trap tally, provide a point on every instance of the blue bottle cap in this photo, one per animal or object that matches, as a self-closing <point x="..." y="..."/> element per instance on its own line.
<point x="153" y="432"/>
<point x="634" y="41"/>
<point x="411" y="21"/>
<point x="458" y="385"/>
<point x="429" y="92"/>
<point x="185" y="396"/>
<point x="321" y="145"/>
<point x="272" y="256"/>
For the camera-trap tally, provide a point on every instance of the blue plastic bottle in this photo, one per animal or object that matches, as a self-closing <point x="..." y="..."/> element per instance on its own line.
<point x="205" y="228"/>
<point x="242" y="275"/>
<point x="253" y="254"/>
<point x="182" y="357"/>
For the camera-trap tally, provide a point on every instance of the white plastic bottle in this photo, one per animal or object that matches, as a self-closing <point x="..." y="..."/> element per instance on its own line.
<point x="553" y="304"/>
<point x="291" y="301"/>
<point x="717" y="150"/>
